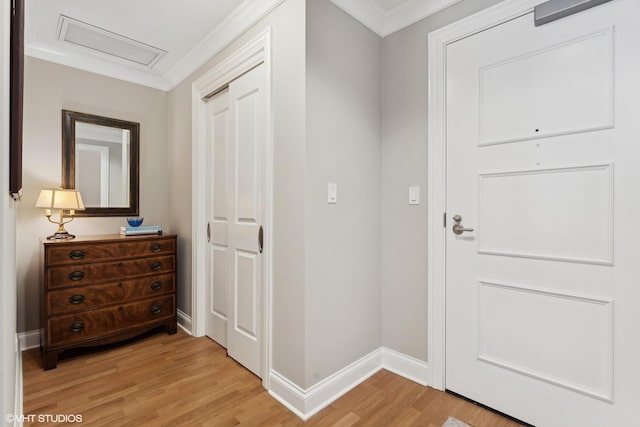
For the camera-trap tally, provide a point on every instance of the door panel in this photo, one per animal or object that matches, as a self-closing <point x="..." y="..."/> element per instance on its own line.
<point x="246" y="290"/>
<point x="219" y="212"/>
<point x="247" y="100"/>
<point x="219" y="299"/>
<point x="247" y="174"/>
<point x="584" y="194"/>
<point x="220" y="130"/>
<point x="236" y="205"/>
<point x="542" y="152"/>
<point x="544" y="95"/>
<point x="567" y="357"/>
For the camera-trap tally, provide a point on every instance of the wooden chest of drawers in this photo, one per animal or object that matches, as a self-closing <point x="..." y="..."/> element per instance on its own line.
<point x="102" y="289"/>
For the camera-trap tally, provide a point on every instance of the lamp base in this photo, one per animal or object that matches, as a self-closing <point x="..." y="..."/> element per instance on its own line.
<point x="61" y="236"/>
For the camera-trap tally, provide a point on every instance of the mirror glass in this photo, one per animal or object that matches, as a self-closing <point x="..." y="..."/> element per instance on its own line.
<point x="100" y="159"/>
<point x="101" y="153"/>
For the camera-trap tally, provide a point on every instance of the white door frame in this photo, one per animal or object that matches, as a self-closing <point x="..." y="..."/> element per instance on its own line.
<point x="105" y="183"/>
<point x="255" y="52"/>
<point x="436" y="152"/>
<point x="126" y="137"/>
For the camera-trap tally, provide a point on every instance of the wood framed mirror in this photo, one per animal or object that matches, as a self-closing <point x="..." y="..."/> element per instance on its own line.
<point x="100" y="158"/>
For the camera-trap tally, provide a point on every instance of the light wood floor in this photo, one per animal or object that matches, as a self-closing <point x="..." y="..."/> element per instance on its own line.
<point x="178" y="380"/>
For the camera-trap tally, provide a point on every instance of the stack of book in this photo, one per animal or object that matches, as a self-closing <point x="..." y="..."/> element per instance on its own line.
<point x="143" y="229"/>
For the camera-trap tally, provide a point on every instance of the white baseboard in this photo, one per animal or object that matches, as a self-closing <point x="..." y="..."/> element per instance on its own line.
<point x="320" y="395"/>
<point x="287" y="393"/>
<point x="184" y="322"/>
<point x="306" y="403"/>
<point x="29" y="339"/>
<point x="18" y="402"/>
<point x="406" y="366"/>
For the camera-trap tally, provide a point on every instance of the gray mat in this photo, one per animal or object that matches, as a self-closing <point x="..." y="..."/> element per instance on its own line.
<point x="452" y="422"/>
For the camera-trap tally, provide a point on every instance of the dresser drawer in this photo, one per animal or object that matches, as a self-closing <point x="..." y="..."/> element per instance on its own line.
<point x="92" y="296"/>
<point x="95" y="323"/>
<point x="84" y="274"/>
<point x="75" y="253"/>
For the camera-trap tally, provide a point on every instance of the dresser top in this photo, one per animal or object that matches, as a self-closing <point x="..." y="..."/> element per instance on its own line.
<point x="105" y="238"/>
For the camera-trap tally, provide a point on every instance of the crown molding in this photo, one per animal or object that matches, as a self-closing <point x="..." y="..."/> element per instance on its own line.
<point x="242" y="18"/>
<point x="367" y="13"/>
<point x="95" y="65"/>
<point x="411" y="12"/>
<point x="385" y="23"/>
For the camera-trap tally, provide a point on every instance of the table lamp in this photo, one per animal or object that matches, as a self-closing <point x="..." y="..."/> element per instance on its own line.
<point x="66" y="202"/>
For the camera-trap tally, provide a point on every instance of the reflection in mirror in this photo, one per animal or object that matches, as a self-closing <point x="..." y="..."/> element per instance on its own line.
<point x="100" y="159"/>
<point x="101" y="154"/>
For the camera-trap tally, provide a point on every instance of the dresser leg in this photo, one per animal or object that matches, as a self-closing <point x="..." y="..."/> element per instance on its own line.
<point x="50" y="359"/>
<point x="172" y="327"/>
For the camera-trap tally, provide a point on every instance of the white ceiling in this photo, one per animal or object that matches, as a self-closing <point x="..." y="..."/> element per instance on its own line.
<point x="191" y="35"/>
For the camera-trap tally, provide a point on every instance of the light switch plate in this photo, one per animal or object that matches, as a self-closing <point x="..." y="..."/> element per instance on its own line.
<point x="414" y="195"/>
<point x="332" y="193"/>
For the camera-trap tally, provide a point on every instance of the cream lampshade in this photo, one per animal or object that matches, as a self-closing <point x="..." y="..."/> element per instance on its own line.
<point x="66" y="202"/>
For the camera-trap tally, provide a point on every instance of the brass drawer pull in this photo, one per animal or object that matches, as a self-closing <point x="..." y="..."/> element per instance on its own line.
<point x="76" y="275"/>
<point x="156" y="286"/>
<point x="76" y="299"/>
<point x="76" y="255"/>
<point x="156" y="265"/>
<point x="76" y="327"/>
<point x="156" y="309"/>
<point x="156" y="247"/>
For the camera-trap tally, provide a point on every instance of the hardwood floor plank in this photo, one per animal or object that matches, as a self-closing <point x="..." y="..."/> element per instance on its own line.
<point x="178" y="380"/>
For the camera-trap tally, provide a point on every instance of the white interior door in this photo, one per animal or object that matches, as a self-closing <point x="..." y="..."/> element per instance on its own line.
<point x="543" y="147"/>
<point x="236" y="206"/>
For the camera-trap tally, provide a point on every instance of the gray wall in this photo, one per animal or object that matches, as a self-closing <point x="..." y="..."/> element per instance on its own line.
<point x="50" y="88"/>
<point x="404" y="164"/>
<point x="326" y="277"/>
<point x="342" y="241"/>
<point x="288" y="105"/>
<point x="8" y="354"/>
